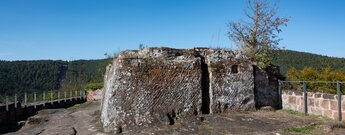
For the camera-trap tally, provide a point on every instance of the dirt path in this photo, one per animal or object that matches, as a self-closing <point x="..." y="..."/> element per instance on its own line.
<point x="83" y="119"/>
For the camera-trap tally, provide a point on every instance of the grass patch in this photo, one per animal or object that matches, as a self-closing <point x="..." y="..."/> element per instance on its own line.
<point x="305" y="129"/>
<point x="292" y="112"/>
<point x="311" y="116"/>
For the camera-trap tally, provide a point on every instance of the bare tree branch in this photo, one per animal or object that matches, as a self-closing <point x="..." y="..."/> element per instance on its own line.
<point x="258" y="37"/>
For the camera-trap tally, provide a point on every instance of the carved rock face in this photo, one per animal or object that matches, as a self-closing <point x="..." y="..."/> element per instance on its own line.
<point x="158" y="85"/>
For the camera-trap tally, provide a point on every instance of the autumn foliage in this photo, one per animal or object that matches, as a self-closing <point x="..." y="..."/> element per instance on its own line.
<point x="320" y="79"/>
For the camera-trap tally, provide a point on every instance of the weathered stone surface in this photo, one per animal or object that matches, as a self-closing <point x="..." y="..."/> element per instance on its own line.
<point x="266" y="87"/>
<point x="335" y="115"/>
<point x="231" y="81"/>
<point x="325" y="104"/>
<point x="153" y="85"/>
<point x="328" y="96"/>
<point x="315" y="110"/>
<point x="311" y="102"/>
<point x="292" y="100"/>
<point x="158" y="85"/>
<point x="317" y="103"/>
<point x="334" y="105"/>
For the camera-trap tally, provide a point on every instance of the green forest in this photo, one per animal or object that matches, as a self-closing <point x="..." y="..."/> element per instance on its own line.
<point x="288" y="59"/>
<point x="20" y="76"/>
<point x="48" y="75"/>
<point x="17" y="77"/>
<point x="80" y="73"/>
<point x="301" y="66"/>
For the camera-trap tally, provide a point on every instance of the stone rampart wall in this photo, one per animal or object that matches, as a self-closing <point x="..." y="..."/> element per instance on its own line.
<point x="317" y="103"/>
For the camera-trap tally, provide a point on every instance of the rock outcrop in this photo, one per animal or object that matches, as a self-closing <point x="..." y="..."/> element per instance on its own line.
<point x="266" y="87"/>
<point x="231" y="80"/>
<point x="148" y="86"/>
<point x="158" y="85"/>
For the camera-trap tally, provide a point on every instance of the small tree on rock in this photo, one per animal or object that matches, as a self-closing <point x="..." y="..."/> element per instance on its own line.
<point x="257" y="38"/>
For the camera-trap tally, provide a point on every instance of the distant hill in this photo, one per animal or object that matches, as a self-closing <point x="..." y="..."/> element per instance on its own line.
<point x="293" y="59"/>
<point x="19" y="76"/>
<point x="46" y="75"/>
<point x="81" y="72"/>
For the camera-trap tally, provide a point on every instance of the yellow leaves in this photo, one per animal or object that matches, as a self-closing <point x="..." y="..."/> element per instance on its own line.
<point x="292" y="74"/>
<point x="312" y="74"/>
<point x="309" y="74"/>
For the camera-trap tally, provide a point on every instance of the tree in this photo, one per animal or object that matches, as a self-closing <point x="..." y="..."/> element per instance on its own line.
<point x="257" y="38"/>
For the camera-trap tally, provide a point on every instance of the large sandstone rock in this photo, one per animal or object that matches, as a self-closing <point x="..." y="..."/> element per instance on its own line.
<point x="158" y="85"/>
<point x="151" y="86"/>
<point x="266" y="87"/>
<point x="231" y="80"/>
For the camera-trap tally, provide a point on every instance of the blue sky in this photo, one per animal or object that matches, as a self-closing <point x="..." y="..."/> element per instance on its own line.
<point x="86" y="29"/>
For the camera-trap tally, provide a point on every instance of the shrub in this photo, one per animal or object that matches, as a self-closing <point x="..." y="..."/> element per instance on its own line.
<point x="94" y="86"/>
<point x="312" y="74"/>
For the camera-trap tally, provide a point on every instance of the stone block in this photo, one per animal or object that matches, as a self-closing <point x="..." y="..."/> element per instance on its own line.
<point x="328" y="96"/>
<point x="311" y="102"/>
<point x="230" y="91"/>
<point x="292" y="100"/>
<point x="327" y="113"/>
<point x="335" y="115"/>
<point x="301" y="101"/>
<point x="288" y="92"/>
<point x="317" y="102"/>
<point x="325" y="104"/>
<point x="317" y="95"/>
<point x="334" y="105"/>
<point x="298" y="101"/>
<point x="315" y="110"/>
<point x="158" y="85"/>
<point x="266" y="87"/>
<point x="162" y="84"/>
<point x="298" y="93"/>
<point x="310" y="94"/>
<point x="300" y="108"/>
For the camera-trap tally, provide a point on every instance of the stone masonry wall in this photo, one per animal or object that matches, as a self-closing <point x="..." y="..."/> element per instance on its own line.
<point x="318" y="103"/>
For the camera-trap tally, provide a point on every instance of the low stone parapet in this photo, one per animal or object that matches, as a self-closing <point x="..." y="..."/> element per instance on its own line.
<point x="317" y="103"/>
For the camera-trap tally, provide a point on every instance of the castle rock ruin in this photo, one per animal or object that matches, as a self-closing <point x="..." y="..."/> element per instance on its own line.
<point x="157" y="85"/>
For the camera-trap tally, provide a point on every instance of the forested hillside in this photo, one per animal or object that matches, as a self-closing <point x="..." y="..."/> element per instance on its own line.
<point x="82" y="72"/>
<point x="46" y="75"/>
<point x="29" y="76"/>
<point x="288" y="59"/>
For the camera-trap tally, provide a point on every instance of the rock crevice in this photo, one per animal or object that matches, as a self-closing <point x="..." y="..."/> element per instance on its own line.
<point x="205" y="85"/>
